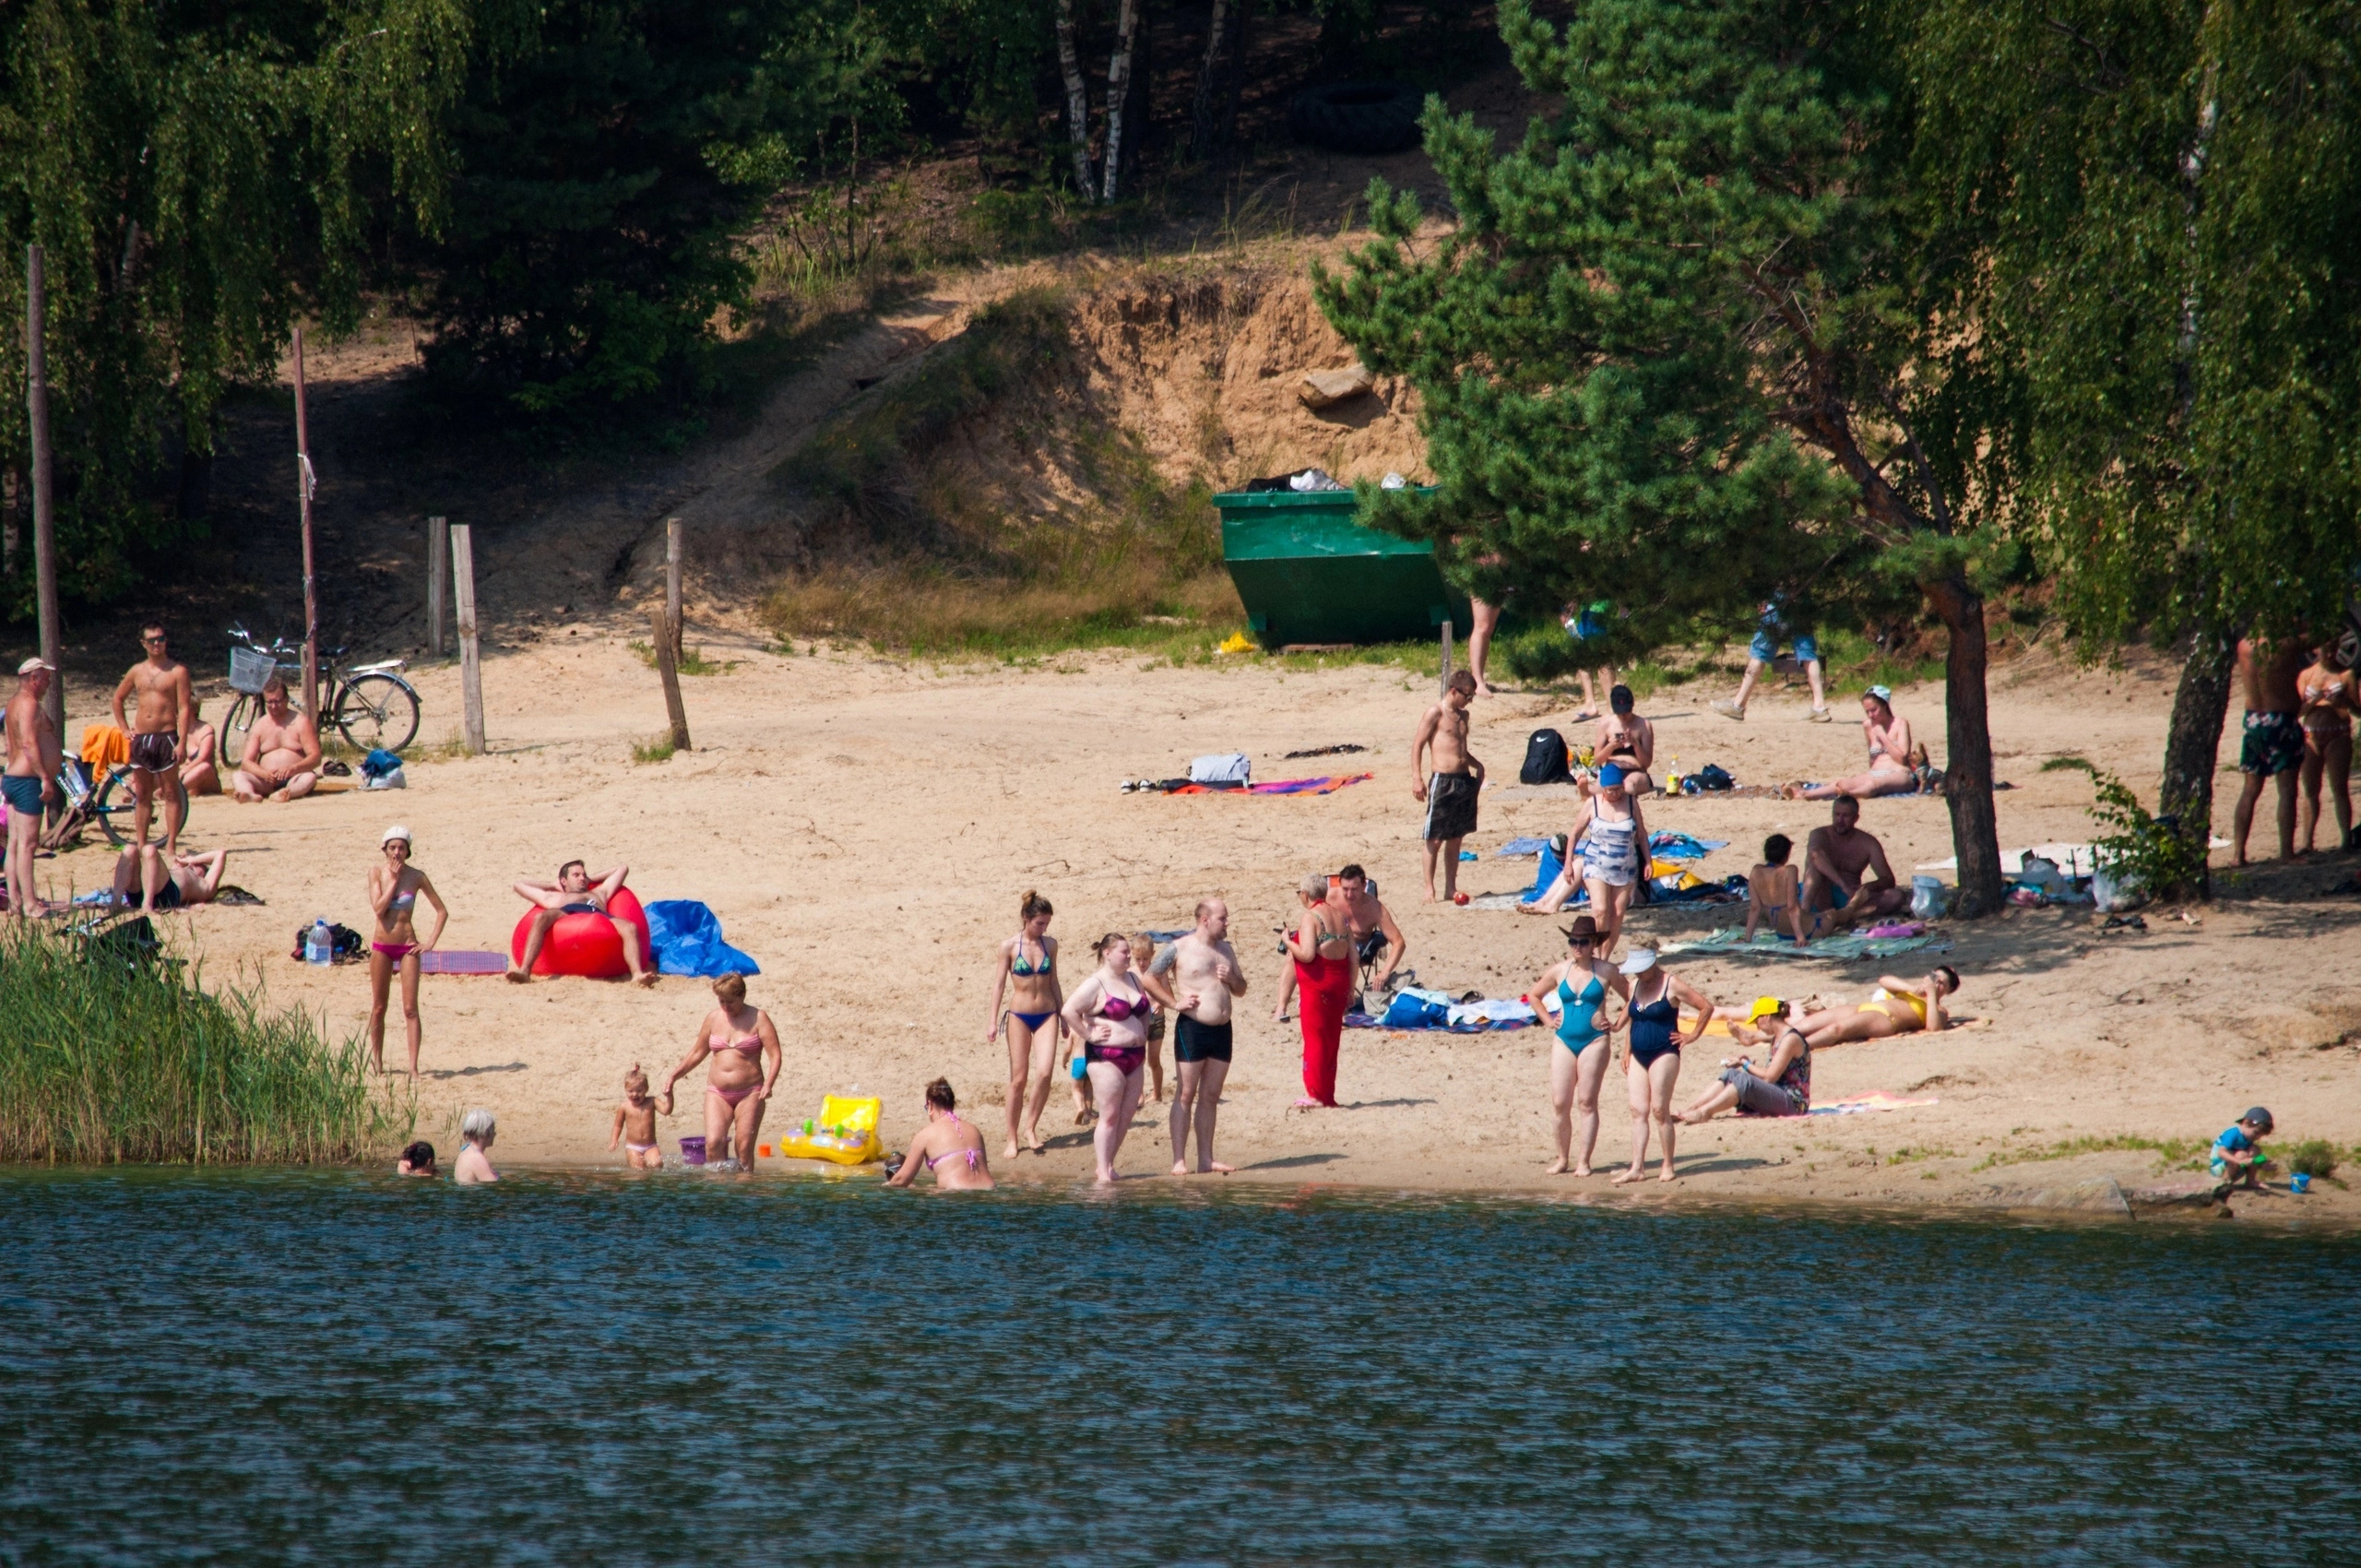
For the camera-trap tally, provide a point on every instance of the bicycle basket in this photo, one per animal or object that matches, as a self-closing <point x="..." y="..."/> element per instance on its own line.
<point x="249" y="668"/>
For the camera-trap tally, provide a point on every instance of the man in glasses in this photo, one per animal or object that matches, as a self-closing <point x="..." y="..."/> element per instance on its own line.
<point x="162" y="715"/>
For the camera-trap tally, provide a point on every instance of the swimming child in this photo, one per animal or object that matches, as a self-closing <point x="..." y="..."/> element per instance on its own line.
<point x="417" y="1160"/>
<point x="2237" y="1152"/>
<point x="635" y="1123"/>
<point x="1775" y="889"/>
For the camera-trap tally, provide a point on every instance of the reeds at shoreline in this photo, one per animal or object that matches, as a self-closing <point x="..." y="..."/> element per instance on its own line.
<point x="106" y="1059"/>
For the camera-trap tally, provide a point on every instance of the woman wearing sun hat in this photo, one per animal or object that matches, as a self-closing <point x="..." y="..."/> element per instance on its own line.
<point x="1887" y="735"/>
<point x="1652" y="1061"/>
<point x="394" y="889"/>
<point x="1576" y="987"/>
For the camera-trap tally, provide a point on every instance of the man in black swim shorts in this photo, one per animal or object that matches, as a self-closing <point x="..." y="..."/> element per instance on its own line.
<point x="1198" y="984"/>
<point x="1450" y="791"/>
<point x="164" y="713"/>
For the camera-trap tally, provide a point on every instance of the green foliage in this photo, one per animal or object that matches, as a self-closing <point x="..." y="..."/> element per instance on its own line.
<point x="2315" y="1158"/>
<point x="2170" y="1152"/>
<point x="103" y="1060"/>
<point x="658" y="749"/>
<point x="692" y="661"/>
<point x="2144" y="854"/>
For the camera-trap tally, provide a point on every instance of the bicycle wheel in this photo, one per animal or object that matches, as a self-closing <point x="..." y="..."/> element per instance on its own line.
<point x="241" y="714"/>
<point x="377" y="711"/>
<point x="105" y="808"/>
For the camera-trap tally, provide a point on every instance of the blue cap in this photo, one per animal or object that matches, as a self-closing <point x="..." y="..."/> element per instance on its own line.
<point x="1610" y="773"/>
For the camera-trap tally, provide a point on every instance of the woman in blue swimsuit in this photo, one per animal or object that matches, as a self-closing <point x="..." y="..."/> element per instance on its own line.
<point x="1576" y="989"/>
<point x="1653" y="1065"/>
<point x="1027" y="980"/>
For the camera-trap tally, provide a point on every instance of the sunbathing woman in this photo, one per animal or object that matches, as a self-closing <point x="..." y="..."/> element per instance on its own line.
<point x="2330" y="699"/>
<point x="1612" y="834"/>
<point x="1109" y="1012"/>
<point x="744" y="1047"/>
<point x="1576" y="987"/>
<point x="1896" y="1007"/>
<point x="953" y="1150"/>
<point x="1028" y="977"/>
<point x="394" y="889"/>
<point x="1887" y="735"/>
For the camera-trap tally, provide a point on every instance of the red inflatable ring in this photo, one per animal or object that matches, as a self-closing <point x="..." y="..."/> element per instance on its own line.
<point x="586" y="944"/>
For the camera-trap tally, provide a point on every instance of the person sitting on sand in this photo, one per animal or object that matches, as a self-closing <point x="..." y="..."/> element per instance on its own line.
<point x="577" y="892"/>
<point x="1891" y="770"/>
<point x="283" y="755"/>
<point x="1846" y="879"/>
<point x="1781" y="1087"/>
<point x="1628" y="740"/>
<point x="416" y="1160"/>
<point x="1576" y="987"/>
<point x="635" y="1124"/>
<point x="1107" y="1012"/>
<point x="2237" y="1152"/>
<point x="1896" y="1007"/>
<point x="201" y="755"/>
<point x="743" y="1045"/>
<point x="1375" y="934"/>
<point x="167" y="881"/>
<point x="1775" y="889"/>
<point x="477" y="1129"/>
<point x="953" y="1150"/>
<point x="1652" y="1060"/>
<point x="1027" y="979"/>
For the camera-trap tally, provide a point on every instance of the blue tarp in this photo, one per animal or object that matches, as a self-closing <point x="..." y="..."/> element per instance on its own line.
<point x="687" y="940"/>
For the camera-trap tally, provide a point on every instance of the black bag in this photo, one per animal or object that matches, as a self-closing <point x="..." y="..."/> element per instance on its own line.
<point x="344" y="942"/>
<point x="1712" y="777"/>
<point x="1545" y="759"/>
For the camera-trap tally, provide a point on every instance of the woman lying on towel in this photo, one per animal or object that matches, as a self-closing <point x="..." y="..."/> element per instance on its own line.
<point x="1887" y="735"/>
<point x="1897" y="1007"/>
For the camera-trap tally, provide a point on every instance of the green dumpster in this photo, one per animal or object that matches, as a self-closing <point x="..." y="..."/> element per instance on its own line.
<point x="1308" y="573"/>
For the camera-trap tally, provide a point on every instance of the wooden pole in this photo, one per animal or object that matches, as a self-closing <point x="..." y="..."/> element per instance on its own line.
<point x="45" y="476"/>
<point x="438" y="551"/>
<point x="463" y="594"/>
<point x="670" y="674"/>
<point x="304" y="501"/>
<point x="672" y="584"/>
<point x="1443" y="683"/>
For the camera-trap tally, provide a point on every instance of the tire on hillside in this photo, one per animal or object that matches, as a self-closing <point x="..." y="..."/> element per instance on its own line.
<point x="1362" y="118"/>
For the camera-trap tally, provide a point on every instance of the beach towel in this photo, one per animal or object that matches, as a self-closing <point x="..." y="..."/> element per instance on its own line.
<point x="687" y="941"/>
<point x="1321" y="786"/>
<point x="1666" y="845"/>
<point x="1847" y="948"/>
<point x="105" y="746"/>
<point x="462" y="961"/>
<point x="1519" y="847"/>
<point x="1474" y="1026"/>
<point x="1877" y="1100"/>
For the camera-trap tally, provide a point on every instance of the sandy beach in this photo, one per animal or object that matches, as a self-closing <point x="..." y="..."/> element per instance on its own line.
<point x="865" y="827"/>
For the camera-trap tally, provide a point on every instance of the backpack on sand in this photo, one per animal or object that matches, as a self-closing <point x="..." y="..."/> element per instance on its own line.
<point x="1545" y="759"/>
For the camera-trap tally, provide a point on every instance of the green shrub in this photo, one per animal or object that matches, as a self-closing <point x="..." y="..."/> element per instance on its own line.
<point x="2315" y="1158"/>
<point x="2144" y="854"/>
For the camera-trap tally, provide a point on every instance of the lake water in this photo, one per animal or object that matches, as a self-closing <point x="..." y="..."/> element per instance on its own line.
<point x="339" y="1368"/>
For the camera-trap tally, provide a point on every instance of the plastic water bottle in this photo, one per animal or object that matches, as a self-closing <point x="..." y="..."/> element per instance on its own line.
<point x="319" y="946"/>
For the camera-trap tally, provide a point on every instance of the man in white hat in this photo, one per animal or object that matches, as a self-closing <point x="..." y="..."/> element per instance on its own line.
<point x="32" y="779"/>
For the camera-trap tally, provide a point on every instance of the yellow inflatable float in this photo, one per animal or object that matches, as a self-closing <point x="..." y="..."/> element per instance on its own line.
<point x="845" y="1132"/>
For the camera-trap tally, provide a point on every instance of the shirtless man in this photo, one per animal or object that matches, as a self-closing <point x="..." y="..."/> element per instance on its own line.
<point x="282" y="760"/>
<point x="32" y="779"/>
<point x="1846" y="876"/>
<point x="576" y="893"/>
<point x="2274" y="744"/>
<point x="1450" y="791"/>
<point x="167" y="881"/>
<point x="1628" y="740"/>
<point x="164" y="713"/>
<point x="1205" y="976"/>
<point x="1375" y="932"/>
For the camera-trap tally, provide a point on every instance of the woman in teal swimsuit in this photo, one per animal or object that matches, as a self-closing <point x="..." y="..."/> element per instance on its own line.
<point x="1027" y="980"/>
<point x="1577" y="989"/>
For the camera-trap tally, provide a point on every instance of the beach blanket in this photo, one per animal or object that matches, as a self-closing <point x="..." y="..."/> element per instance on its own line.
<point x="1877" y="1100"/>
<point x="103" y="746"/>
<point x="1666" y="845"/>
<point x="1474" y="1026"/>
<point x="1327" y="784"/>
<point x="687" y="940"/>
<point x="1519" y="847"/>
<point x="462" y="961"/>
<point x="1847" y="948"/>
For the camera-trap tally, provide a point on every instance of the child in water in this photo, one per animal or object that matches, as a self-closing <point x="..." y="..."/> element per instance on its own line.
<point x="635" y="1123"/>
<point x="2237" y="1152"/>
<point x="1775" y="889"/>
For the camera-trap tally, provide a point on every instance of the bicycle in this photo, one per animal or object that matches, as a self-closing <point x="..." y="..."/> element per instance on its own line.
<point x="83" y="803"/>
<point x="370" y="704"/>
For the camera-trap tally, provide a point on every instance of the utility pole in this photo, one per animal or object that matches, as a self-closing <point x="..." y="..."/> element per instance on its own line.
<point x="310" y="587"/>
<point x="45" y="479"/>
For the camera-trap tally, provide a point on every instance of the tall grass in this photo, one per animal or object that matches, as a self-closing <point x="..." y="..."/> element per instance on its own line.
<point x="106" y="1059"/>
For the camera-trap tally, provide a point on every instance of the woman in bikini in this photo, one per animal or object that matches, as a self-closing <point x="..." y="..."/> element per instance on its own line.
<point x="1028" y="980"/>
<point x="2329" y="698"/>
<point x="394" y="889"/>
<point x="1887" y="735"/>
<point x="1896" y="1007"/>
<point x="1321" y="949"/>
<point x="744" y="1047"/>
<point x="951" y="1148"/>
<point x="1107" y="1012"/>
<point x="1652" y="1062"/>
<point x="1576" y="987"/>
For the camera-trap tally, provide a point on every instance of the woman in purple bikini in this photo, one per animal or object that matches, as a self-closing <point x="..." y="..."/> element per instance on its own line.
<point x="1028" y="980"/>
<point x="1109" y="1011"/>
<point x="953" y="1150"/>
<point x="743" y="1046"/>
<point x="394" y="889"/>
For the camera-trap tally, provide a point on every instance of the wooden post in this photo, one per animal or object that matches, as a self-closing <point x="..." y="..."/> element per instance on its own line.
<point x="670" y="674"/>
<point x="44" y="478"/>
<point x="303" y="502"/>
<point x="463" y="596"/>
<point x="1443" y="683"/>
<point x="438" y="551"/>
<point x="673" y="585"/>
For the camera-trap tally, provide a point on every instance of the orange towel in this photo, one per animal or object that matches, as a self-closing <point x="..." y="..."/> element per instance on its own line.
<point x="105" y="746"/>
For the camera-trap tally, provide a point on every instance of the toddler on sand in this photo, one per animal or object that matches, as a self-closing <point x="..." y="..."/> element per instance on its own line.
<point x="635" y="1123"/>
<point x="2237" y="1152"/>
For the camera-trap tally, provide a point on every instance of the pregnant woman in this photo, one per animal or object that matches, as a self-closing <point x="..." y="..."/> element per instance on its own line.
<point x="1653" y="1065"/>
<point x="1576" y="987"/>
<point x="1321" y="946"/>
<point x="394" y="889"/>
<point x="1027" y="978"/>
<point x="743" y="1046"/>
<point x="1109" y="1011"/>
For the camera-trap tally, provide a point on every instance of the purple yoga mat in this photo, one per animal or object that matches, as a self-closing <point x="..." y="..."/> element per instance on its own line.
<point x="462" y="962"/>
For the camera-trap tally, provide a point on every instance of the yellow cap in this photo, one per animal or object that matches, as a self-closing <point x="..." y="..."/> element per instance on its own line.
<point x="1764" y="1006"/>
